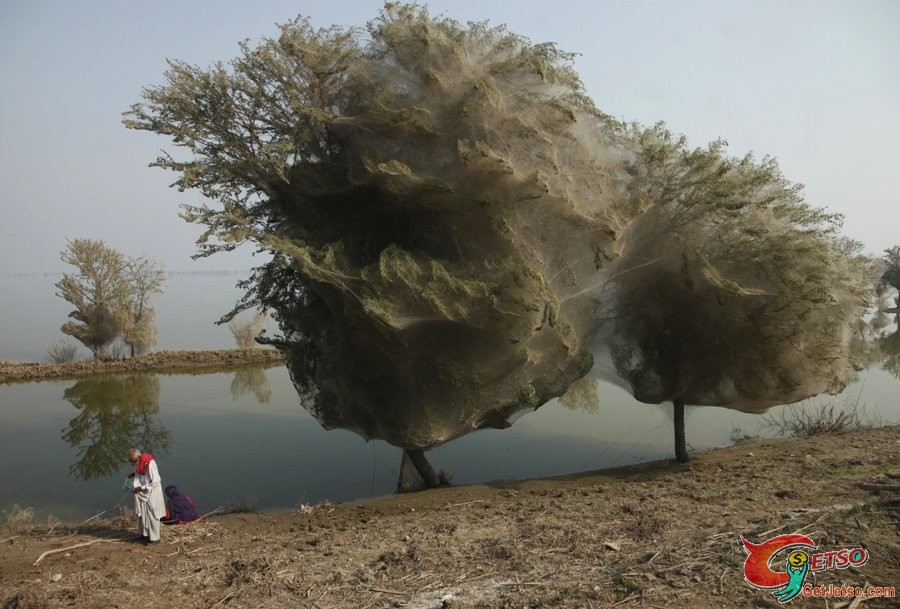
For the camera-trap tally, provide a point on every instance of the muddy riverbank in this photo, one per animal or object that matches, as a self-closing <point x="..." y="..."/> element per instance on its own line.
<point x="657" y="535"/>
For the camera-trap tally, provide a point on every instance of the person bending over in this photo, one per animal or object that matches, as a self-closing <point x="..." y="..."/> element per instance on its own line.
<point x="149" y="505"/>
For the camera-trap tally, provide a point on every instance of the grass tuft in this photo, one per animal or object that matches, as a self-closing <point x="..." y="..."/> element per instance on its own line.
<point x="241" y="506"/>
<point x="19" y="519"/>
<point x="807" y="419"/>
<point x="61" y="352"/>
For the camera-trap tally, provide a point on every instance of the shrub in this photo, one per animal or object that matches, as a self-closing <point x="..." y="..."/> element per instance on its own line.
<point x="61" y="352"/>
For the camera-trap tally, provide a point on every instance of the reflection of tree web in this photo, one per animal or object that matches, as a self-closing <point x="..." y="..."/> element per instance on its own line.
<point x="636" y="442"/>
<point x="630" y="430"/>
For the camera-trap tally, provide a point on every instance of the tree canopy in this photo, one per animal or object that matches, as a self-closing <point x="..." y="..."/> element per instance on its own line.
<point x="458" y="233"/>
<point x="730" y="289"/>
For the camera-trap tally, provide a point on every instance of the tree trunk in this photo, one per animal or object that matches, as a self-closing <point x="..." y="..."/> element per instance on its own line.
<point x="420" y="462"/>
<point x="409" y="480"/>
<point x="681" y="454"/>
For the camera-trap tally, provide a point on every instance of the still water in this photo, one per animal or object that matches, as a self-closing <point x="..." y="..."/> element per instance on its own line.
<point x="242" y="438"/>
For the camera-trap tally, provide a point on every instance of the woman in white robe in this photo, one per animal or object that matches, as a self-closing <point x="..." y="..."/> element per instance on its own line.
<point x="149" y="502"/>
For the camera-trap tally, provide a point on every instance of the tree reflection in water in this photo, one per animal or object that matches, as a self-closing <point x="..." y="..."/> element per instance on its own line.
<point x="251" y="380"/>
<point x="890" y="351"/>
<point x="116" y="413"/>
<point x="878" y="340"/>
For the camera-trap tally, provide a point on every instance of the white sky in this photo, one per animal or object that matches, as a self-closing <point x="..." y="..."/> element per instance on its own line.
<point x="814" y="83"/>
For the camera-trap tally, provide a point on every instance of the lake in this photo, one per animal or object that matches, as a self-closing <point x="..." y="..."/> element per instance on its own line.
<point x="242" y="439"/>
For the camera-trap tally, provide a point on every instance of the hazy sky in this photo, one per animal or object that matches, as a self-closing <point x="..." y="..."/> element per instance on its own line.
<point x="814" y="83"/>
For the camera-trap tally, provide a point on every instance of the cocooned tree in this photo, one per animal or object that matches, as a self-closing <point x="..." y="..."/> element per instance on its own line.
<point x="731" y="290"/>
<point x="99" y="291"/>
<point x="111" y="294"/>
<point x="453" y="224"/>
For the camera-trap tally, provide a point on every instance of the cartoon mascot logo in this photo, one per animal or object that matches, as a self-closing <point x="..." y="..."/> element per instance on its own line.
<point x="758" y="567"/>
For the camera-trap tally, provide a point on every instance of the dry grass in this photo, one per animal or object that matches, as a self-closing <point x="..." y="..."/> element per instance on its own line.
<point x="808" y="419"/>
<point x="241" y="506"/>
<point x="19" y="519"/>
<point x="61" y="352"/>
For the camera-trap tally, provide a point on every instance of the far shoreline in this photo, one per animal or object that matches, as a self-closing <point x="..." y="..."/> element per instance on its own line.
<point x="159" y="362"/>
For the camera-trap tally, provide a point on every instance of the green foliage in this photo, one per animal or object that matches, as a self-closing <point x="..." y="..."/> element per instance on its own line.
<point x="348" y="160"/>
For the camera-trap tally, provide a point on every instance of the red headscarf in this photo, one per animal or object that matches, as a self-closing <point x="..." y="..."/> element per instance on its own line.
<point x="141" y="468"/>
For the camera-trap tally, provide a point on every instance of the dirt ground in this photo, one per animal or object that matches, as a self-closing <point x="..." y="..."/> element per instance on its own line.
<point x="659" y="535"/>
<point x="161" y="361"/>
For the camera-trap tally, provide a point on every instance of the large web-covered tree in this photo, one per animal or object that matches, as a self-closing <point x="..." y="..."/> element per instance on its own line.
<point x="452" y="222"/>
<point x="730" y="290"/>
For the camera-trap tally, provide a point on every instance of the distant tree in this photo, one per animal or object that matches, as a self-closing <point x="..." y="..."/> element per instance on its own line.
<point x="140" y="333"/>
<point x="145" y="276"/>
<point x="99" y="290"/>
<point x="111" y="294"/>
<point x="246" y="331"/>
<point x="891" y="276"/>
